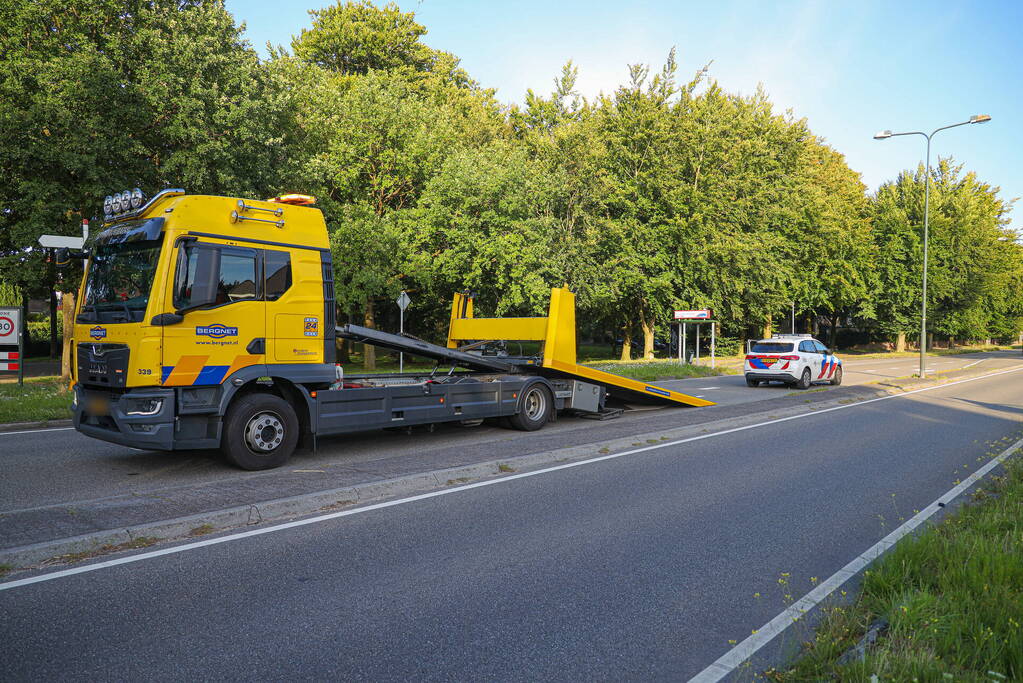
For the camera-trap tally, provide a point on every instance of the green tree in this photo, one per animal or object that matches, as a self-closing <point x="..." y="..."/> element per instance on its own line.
<point x="102" y="96"/>
<point x="354" y="38"/>
<point x="973" y="259"/>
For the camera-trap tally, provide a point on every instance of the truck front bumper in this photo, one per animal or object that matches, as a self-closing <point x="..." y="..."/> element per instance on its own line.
<point x="142" y="418"/>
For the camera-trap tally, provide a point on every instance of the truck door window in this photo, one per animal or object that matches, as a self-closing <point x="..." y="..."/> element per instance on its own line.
<point x="232" y="273"/>
<point x="277" y="267"/>
<point x="237" y="277"/>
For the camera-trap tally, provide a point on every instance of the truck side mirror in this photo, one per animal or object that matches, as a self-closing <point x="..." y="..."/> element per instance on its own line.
<point x="166" y="319"/>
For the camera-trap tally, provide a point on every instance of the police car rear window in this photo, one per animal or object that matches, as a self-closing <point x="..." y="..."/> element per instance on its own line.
<point x="771" y="347"/>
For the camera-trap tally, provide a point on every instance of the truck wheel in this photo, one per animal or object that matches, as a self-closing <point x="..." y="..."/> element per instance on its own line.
<point x="804" y="379"/>
<point x="534" y="409"/>
<point x="260" y="432"/>
<point x="836" y="379"/>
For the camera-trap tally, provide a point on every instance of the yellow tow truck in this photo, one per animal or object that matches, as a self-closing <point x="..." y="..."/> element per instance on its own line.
<point x="209" y="322"/>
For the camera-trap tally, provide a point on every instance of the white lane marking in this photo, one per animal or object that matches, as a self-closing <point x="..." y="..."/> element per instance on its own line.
<point x="457" y="489"/>
<point x="36" y="431"/>
<point x="706" y="388"/>
<point x="698" y="396"/>
<point x="974" y="363"/>
<point x="734" y="658"/>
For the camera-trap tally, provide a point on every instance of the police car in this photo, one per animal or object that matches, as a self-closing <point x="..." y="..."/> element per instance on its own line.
<point x="796" y="359"/>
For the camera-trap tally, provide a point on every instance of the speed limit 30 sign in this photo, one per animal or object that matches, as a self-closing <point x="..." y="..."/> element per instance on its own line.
<point x="10" y="323"/>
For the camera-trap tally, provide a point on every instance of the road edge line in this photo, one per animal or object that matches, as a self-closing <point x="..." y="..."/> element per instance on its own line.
<point x="734" y="658"/>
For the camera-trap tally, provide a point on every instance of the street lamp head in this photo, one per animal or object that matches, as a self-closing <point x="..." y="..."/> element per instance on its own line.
<point x="980" y="118"/>
<point x="882" y="134"/>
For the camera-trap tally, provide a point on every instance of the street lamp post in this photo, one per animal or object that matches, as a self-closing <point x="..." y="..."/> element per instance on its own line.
<point x="884" y="135"/>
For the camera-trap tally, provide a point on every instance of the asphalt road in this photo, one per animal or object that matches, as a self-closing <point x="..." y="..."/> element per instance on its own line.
<point x="732" y="389"/>
<point x="641" y="567"/>
<point x="61" y="467"/>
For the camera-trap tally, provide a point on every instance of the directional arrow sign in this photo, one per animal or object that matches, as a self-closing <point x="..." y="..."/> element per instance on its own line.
<point x="403" y="301"/>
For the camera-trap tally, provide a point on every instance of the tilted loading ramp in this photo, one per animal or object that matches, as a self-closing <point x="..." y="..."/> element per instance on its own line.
<point x="556" y="333"/>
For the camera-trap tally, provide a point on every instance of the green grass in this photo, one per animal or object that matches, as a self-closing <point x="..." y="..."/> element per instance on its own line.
<point x="652" y="370"/>
<point x="41" y="398"/>
<point x="952" y="596"/>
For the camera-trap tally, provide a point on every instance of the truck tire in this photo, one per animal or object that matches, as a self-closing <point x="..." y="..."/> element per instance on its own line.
<point x="260" y="432"/>
<point x="535" y="406"/>
<point x="804" y="379"/>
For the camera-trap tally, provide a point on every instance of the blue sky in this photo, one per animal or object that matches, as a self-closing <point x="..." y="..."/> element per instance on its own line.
<point x="849" y="68"/>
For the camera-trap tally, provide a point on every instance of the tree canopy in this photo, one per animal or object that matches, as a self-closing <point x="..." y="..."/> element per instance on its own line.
<point x="667" y="192"/>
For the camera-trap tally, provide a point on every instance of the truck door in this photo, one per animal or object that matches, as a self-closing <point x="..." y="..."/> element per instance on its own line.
<point x="218" y="288"/>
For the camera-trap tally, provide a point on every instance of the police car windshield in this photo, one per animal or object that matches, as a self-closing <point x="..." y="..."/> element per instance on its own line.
<point x="119" y="280"/>
<point x="771" y="347"/>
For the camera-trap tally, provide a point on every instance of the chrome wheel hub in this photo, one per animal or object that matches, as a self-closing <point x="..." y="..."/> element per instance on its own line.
<point x="264" y="432"/>
<point x="535" y="405"/>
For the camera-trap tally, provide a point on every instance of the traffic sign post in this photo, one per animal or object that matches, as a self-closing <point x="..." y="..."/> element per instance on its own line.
<point x="403" y="302"/>
<point x="11" y="335"/>
<point x="697" y="317"/>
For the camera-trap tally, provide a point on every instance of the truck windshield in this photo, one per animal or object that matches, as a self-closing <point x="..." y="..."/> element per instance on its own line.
<point x="119" y="280"/>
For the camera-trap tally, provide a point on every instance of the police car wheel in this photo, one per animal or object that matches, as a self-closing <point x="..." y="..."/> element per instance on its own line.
<point x="260" y="432"/>
<point x="804" y="379"/>
<point x="836" y="379"/>
<point x="750" y="382"/>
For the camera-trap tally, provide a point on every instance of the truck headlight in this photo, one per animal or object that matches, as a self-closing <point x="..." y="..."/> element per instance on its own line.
<point x="144" y="406"/>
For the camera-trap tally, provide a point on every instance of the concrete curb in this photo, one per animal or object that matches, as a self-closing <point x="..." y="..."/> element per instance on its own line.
<point x="45" y="424"/>
<point x="277" y="510"/>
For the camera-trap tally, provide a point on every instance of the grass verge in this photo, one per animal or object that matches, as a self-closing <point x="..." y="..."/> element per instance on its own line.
<point x="952" y="598"/>
<point x="40" y="399"/>
<point x="653" y="370"/>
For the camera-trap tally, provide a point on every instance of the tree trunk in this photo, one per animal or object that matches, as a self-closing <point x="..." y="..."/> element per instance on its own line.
<point x="767" y="328"/>
<point x="67" y="306"/>
<point x="369" y="352"/>
<point x="833" y="334"/>
<point x="930" y="341"/>
<point x="648" y="337"/>
<point x="900" y="342"/>
<point x="627" y="342"/>
<point x="951" y="342"/>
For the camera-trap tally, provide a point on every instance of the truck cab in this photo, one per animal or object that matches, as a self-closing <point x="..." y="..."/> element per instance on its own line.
<point x="189" y="302"/>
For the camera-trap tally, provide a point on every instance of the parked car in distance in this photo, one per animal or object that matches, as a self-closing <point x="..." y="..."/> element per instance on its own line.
<point x="795" y="359"/>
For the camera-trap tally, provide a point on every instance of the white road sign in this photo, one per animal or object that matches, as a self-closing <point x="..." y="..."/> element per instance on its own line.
<point x="704" y="314"/>
<point x="10" y="323"/>
<point x="403" y="300"/>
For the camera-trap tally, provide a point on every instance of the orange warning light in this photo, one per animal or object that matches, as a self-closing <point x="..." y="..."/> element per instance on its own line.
<point x="295" y="199"/>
